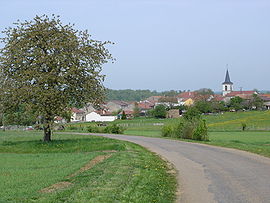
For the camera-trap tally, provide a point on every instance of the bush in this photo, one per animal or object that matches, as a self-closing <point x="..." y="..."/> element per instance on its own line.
<point x="188" y="130"/>
<point x="201" y="132"/>
<point x="159" y="111"/>
<point x="124" y="116"/>
<point x="167" y="131"/>
<point x="192" y="114"/>
<point x="244" y="126"/>
<point x="195" y="129"/>
<point x="115" y="129"/>
<point x="72" y="127"/>
<point x="93" y="129"/>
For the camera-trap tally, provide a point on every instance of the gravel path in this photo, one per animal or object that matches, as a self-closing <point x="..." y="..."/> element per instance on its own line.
<point x="212" y="174"/>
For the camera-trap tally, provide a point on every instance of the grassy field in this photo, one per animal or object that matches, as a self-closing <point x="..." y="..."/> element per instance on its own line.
<point x="80" y="168"/>
<point x="229" y="121"/>
<point x="224" y="129"/>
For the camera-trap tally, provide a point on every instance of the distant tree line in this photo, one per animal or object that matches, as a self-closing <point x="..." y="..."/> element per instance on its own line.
<point x="137" y="95"/>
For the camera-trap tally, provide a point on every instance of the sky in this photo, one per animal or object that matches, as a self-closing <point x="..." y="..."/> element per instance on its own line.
<point x="168" y="44"/>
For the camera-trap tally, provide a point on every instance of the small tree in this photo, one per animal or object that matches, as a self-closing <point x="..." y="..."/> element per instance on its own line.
<point x="236" y="103"/>
<point x="136" y="110"/>
<point x="192" y="113"/>
<point x="50" y="67"/>
<point x="159" y="111"/>
<point x="204" y="106"/>
<point x="256" y="102"/>
<point x="124" y="116"/>
<point x="244" y="126"/>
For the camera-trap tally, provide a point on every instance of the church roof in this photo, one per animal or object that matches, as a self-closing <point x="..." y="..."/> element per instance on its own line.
<point x="227" y="79"/>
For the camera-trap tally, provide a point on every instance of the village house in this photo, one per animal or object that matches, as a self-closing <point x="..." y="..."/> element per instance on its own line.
<point x="77" y="115"/>
<point x="117" y="105"/>
<point x="145" y="106"/>
<point x="95" y="117"/>
<point x="266" y="100"/>
<point x="186" y="98"/>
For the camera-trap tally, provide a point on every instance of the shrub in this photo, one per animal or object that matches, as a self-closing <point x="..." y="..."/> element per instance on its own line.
<point x="194" y="129"/>
<point x="124" y="116"/>
<point x="188" y="130"/>
<point x="115" y="129"/>
<point x="201" y="132"/>
<point x="72" y="127"/>
<point x="192" y="114"/>
<point x="167" y="131"/>
<point x="159" y="111"/>
<point x="93" y="129"/>
<point x="244" y="126"/>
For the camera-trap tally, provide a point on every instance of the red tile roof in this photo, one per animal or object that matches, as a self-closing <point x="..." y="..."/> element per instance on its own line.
<point x="218" y="97"/>
<point x="75" y="110"/>
<point x="238" y="93"/>
<point x="265" y="95"/>
<point x="127" y="112"/>
<point x="187" y="95"/>
<point x="146" y="105"/>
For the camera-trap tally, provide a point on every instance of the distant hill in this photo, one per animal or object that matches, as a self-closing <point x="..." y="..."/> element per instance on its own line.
<point x="137" y="95"/>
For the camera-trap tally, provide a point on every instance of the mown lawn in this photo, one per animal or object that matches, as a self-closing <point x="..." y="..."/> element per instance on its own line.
<point x="130" y="174"/>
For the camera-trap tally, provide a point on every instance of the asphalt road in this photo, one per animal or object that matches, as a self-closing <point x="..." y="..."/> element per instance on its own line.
<point x="212" y="174"/>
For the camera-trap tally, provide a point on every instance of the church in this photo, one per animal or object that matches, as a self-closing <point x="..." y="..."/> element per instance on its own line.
<point x="227" y="89"/>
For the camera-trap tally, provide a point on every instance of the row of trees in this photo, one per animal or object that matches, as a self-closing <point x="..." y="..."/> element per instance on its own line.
<point x="137" y="95"/>
<point x="235" y="104"/>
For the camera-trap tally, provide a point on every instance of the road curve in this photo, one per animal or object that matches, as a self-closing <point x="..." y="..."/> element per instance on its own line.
<point x="212" y="174"/>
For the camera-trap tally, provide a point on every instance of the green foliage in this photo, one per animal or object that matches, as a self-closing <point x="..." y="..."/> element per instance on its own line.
<point x="204" y="106"/>
<point x="256" y="102"/>
<point x="136" y="111"/>
<point x="159" y="111"/>
<point x="136" y="95"/>
<point x="205" y="91"/>
<point x="219" y="106"/>
<point x="192" y="113"/>
<point x="188" y="130"/>
<point x="195" y="129"/>
<point x="93" y="129"/>
<point x="167" y="131"/>
<point x="244" y="126"/>
<point x="201" y="131"/>
<point x="19" y="115"/>
<point x="50" y="67"/>
<point x="124" y="116"/>
<point x="236" y="103"/>
<point x="115" y="129"/>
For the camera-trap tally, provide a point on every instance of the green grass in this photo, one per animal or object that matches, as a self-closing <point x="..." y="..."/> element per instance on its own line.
<point x="131" y="174"/>
<point x="255" y="142"/>
<point x="225" y="129"/>
<point x="229" y="121"/>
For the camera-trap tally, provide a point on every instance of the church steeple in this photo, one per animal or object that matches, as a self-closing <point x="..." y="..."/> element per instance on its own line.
<point x="227" y="85"/>
<point x="227" y="78"/>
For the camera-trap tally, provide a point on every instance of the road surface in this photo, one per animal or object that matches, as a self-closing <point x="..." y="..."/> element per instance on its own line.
<point x="212" y="174"/>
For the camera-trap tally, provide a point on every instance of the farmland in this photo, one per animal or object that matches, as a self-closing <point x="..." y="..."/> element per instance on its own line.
<point x="224" y="129"/>
<point x="80" y="168"/>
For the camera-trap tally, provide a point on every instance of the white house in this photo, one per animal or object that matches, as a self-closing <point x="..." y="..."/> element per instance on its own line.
<point x="93" y="116"/>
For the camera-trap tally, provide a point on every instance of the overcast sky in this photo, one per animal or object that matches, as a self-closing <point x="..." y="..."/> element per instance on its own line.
<point x="169" y="44"/>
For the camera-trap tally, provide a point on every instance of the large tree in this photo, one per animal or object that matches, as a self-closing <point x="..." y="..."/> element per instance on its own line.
<point x="50" y="67"/>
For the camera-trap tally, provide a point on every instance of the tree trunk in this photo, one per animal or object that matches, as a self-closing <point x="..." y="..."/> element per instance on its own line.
<point x="47" y="132"/>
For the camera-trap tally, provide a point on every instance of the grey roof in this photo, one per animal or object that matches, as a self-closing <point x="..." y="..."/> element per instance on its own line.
<point x="227" y="79"/>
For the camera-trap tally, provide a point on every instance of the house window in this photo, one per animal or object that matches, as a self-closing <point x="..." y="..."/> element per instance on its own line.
<point x="226" y="88"/>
